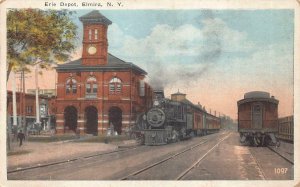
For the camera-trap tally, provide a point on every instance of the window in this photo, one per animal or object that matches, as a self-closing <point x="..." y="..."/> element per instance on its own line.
<point x="28" y="109"/>
<point x="43" y="110"/>
<point x="91" y="85"/>
<point x="115" y="86"/>
<point x="257" y="109"/>
<point x="90" y="34"/>
<point x="96" y="34"/>
<point x="71" y="86"/>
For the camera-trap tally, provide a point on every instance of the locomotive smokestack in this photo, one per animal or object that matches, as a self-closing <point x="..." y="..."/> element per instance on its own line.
<point x="158" y="94"/>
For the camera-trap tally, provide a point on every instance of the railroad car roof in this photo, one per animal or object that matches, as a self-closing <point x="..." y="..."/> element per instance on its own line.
<point x="248" y="100"/>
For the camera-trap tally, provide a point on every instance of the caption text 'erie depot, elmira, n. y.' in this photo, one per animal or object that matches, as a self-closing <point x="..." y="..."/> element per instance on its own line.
<point x="95" y="4"/>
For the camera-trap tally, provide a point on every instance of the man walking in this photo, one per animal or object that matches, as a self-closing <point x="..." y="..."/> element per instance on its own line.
<point x="21" y="136"/>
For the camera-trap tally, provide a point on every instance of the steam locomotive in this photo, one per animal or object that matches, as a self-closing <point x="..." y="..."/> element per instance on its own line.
<point x="172" y="120"/>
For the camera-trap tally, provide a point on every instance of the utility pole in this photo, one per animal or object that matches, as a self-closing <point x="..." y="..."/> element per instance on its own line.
<point x="21" y="99"/>
<point x="37" y="106"/>
<point x="24" y="102"/>
<point x="14" y="100"/>
<point x="13" y="125"/>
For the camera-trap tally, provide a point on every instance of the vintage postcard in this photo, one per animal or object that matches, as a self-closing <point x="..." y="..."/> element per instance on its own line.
<point x="132" y="93"/>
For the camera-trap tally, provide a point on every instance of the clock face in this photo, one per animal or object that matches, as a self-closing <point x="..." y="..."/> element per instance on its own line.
<point x="92" y="50"/>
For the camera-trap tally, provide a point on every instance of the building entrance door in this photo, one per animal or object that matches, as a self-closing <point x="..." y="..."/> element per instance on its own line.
<point x="70" y="115"/>
<point x="91" y="119"/>
<point x="115" y="118"/>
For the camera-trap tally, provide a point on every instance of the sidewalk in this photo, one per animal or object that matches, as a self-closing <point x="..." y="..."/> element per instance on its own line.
<point x="34" y="153"/>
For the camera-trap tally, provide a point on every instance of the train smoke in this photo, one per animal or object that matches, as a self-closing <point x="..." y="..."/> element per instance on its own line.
<point x="164" y="74"/>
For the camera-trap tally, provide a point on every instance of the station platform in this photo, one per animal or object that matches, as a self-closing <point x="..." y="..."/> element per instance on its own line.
<point x="35" y="153"/>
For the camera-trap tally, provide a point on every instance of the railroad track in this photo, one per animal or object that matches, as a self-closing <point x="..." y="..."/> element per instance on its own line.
<point x="144" y="169"/>
<point x="197" y="163"/>
<point x="281" y="155"/>
<point x="259" y="167"/>
<point x="70" y="160"/>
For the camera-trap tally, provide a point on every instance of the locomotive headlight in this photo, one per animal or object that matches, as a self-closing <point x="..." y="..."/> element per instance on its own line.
<point x="156" y="103"/>
<point x="156" y="117"/>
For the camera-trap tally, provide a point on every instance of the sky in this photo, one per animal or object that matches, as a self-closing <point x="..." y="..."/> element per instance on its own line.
<point x="213" y="56"/>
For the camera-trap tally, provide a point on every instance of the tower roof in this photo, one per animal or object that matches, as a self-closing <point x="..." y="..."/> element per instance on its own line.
<point x="95" y="17"/>
<point x="178" y="93"/>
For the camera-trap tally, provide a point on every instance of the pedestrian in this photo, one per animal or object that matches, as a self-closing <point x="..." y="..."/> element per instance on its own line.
<point x="112" y="131"/>
<point x="21" y="136"/>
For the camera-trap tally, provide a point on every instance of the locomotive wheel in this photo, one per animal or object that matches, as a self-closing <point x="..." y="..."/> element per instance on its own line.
<point x="175" y="136"/>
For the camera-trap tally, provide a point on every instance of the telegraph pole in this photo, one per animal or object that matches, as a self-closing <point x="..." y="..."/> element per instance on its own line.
<point x="13" y="125"/>
<point x="37" y="106"/>
<point x="24" y="101"/>
<point x="14" y="100"/>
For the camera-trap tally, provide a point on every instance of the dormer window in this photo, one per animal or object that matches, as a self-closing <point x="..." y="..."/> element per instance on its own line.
<point x="71" y="86"/>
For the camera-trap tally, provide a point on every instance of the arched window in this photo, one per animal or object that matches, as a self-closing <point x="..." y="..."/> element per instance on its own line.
<point x="71" y="86"/>
<point x="90" y="34"/>
<point x="96" y="34"/>
<point x="91" y="85"/>
<point x="115" y="85"/>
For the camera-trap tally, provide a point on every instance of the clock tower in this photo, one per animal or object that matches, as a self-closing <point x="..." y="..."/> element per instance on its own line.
<point x="94" y="44"/>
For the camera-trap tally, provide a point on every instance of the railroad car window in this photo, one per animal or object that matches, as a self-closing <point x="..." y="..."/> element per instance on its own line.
<point x="91" y="85"/>
<point x="257" y="109"/>
<point x="115" y="86"/>
<point x="71" y="86"/>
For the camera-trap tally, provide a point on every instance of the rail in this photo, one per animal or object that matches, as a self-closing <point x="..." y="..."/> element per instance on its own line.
<point x="281" y="155"/>
<point x="70" y="160"/>
<point x="175" y="155"/>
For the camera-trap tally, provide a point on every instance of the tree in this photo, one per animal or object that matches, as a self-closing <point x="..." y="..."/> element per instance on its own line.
<point x="36" y="36"/>
<point x="42" y="37"/>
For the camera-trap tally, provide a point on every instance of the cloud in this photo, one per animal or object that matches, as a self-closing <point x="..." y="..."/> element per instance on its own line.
<point x="186" y="51"/>
<point x="269" y="66"/>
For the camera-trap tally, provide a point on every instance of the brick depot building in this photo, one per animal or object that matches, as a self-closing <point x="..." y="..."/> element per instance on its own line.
<point x="99" y="90"/>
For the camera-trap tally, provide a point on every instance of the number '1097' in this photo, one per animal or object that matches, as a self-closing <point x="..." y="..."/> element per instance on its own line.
<point x="280" y="170"/>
